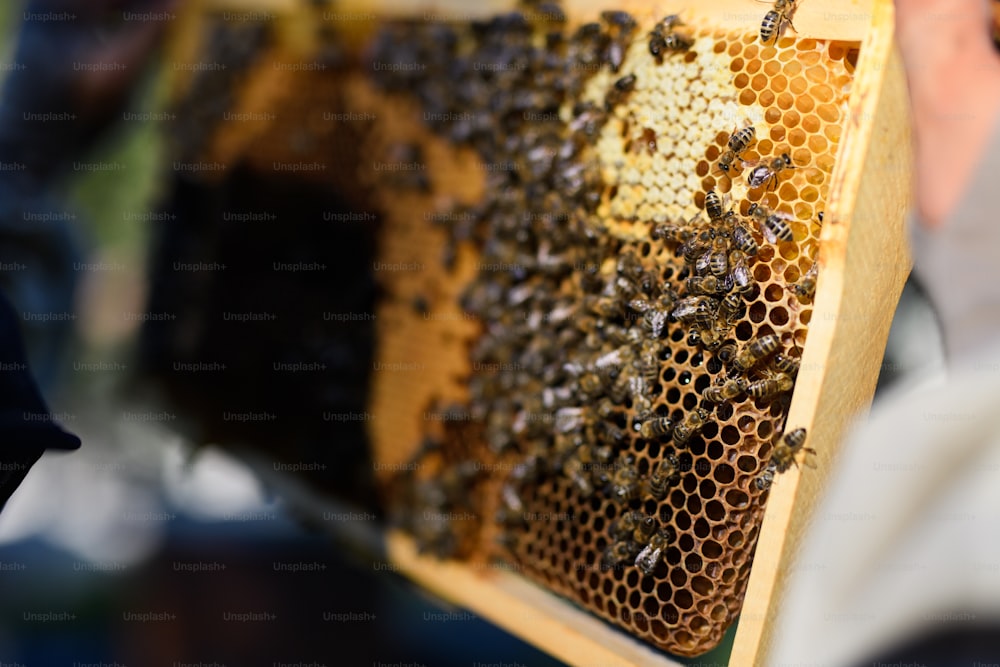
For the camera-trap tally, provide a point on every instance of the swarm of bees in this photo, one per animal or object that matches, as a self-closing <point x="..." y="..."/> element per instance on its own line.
<point x="595" y="325"/>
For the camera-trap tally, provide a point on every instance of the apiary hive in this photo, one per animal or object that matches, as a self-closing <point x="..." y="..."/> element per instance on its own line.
<point x="539" y="178"/>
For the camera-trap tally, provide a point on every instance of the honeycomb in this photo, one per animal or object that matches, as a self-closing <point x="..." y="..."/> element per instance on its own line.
<point x="551" y="176"/>
<point x="652" y="160"/>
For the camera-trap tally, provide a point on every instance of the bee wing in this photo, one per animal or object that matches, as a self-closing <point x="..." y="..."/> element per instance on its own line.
<point x="727" y="199"/>
<point x="808" y="453"/>
<point x="647" y="558"/>
<point x="613" y="358"/>
<point x="640" y="305"/>
<point x="768" y="234"/>
<point x="701" y="264"/>
<point x="568" y="419"/>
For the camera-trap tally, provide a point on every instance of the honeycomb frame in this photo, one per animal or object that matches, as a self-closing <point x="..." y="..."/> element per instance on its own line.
<point x="397" y="456"/>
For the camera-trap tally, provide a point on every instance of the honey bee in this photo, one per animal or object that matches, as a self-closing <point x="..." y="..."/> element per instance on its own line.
<point x="622" y="25"/>
<point x="643" y="407"/>
<point x="590" y="384"/>
<point x="625" y="525"/>
<point x="569" y="419"/>
<point x="639" y="304"/>
<point x="726" y="353"/>
<point x="609" y="432"/>
<point x="587" y="121"/>
<point x="718" y="261"/>
<point x="621" y="88"/>
<point x="657" y="45"/>
<point x="642" y="532"/>
<point x="551" y="12"/>
<point x="576" y="470"/>
<point x="725" y="390"/>
<point x="613" y="359"/>
<point x="774" y="225"/>
<point x="765" y="479"/>
<point x="654" y="551"/>
<point x="655" y="320"/>
<point x="740" y="272"/>
<point x="787" y="364"/>
<point x="769" y="387"/>
<point x="618" y="390"/>
<point x="564" y="445"/>
<point x="647" y="362"/>
<point x="731" y="308"/>
<point x="756" y="351"/>
<point x="744" y="241"/>
<point x="508" y="515"/>
<point x="650" y="282"/>
<point x="693" y="422"/>
<point x="603" y="306"/>
<point x="668" y="23"/>
<point x="662" y="38"/>
<point x="701" y="263"/>
<point x="766" y="171"/>
<point x="601" y="456"/>
<point x="715" y="206"/>
<point x="618" y="18"/>
<point x="776" y="19"/>
<point x="674" y="232"/>
<point x="657" y="427"/>
<point x="666" y="474"/>
<point x="705" y="285"/>
<point x="629" y="265"/>
<point x="739" y="141"/>
<point x="498" y="431"/>
<point x="637" y="387"/>
<point x="711" y="337"/>
<point x="697" y="246"/>
<point x="625" y="480"/>
<point x="783" y="456"/>
<point x="677" y="42"/>
<point x="696" y="309"/>
<point x="805" y="288"/>
<point x="605" y="409"/>
<point x="618" y="553"/>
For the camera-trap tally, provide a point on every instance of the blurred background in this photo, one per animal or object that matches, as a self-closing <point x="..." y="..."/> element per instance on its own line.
<point x="148" y="546"/>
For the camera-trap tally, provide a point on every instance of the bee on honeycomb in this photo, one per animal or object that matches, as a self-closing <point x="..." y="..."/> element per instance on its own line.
<point x="651" y="309"/>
